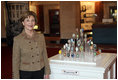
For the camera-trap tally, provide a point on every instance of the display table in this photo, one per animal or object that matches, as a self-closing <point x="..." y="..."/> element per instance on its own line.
<point x="105" y="68"/>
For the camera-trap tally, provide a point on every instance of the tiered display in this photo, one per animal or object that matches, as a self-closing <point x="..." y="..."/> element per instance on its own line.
<point x="79" y="48"/>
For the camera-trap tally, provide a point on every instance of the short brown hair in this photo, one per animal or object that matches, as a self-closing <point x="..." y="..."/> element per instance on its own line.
<point x="27" y="14"/>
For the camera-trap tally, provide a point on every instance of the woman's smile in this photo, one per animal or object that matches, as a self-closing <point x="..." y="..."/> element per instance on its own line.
<point x="29" y="23"/>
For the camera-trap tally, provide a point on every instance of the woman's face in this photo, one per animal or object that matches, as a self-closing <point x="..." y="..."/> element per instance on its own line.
<point x="29" y="23"/>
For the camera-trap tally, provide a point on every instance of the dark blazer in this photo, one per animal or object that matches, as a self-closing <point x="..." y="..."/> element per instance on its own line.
<point x="29" y="54"/>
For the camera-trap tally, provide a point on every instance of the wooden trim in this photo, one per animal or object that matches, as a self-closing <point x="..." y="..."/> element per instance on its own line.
<point x="52" y="38"/>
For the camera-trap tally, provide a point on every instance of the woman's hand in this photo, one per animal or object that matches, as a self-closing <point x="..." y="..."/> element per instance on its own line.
<point x="46" y="76"/>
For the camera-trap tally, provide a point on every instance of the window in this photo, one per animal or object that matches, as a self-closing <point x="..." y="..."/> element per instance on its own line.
<point x="16" y="8"/>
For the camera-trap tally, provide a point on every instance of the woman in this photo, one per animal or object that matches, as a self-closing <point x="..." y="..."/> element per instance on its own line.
<point x="30" y="59"/>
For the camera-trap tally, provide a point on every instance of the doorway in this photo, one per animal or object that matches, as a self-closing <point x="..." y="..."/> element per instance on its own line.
<point x="54" y="22"/>
<point x="40" y="17"/>
<point x="113" y="12"/>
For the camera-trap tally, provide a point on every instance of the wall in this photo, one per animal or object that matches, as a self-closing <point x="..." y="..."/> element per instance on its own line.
<point x="3" y="31"/>
<point x="68" y="19"/>
<point x="78" y="15"/>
